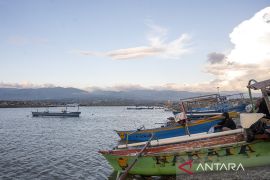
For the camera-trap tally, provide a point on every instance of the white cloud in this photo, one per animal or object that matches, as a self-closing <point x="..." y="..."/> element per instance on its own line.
<point x="118" y="87"/>
<point x="24" y="84"/>
<point x="250" y="57"/>
<point x="158" y="46"/>
<point x="23" y="40"/>
<point x="251" y="39"/>
<point x="202" y="87"/>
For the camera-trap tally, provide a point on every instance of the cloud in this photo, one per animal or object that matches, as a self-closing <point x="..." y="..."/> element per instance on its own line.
<point x="129" y="53"/>
<point x="24" y="84"/>
<point x="250" y="57"/>
<point x="118" y="87"/>
<point x="158" y="46"/>
<point x="214" y="58"/>
<point x="17" y="40"/>
<point x="23" y="40"/>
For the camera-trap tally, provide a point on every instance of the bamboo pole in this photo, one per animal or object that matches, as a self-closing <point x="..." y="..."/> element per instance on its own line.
<point x="124" y="175"/>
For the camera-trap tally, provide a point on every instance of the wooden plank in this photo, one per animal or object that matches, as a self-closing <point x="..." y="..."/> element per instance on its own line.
<point x="179" y="139"/>
<point x="197" y="98"/>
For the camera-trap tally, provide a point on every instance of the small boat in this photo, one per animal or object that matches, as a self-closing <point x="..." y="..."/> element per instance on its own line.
<point x="158" y="107"/>
<point x="140" y="108"/>
<point x="63" y="113"/>
<point x="56" y="114"/>
<point x="232" y="150"/>
<point x="184" y="126"/>
<point x="168" y="109"/>
<point x="176" y="129"/>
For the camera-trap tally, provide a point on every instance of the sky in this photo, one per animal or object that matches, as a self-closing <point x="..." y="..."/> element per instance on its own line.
<point x="155" y="44"/>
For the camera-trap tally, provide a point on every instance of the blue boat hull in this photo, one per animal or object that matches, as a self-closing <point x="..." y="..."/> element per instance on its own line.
<point x="198" y="126"/>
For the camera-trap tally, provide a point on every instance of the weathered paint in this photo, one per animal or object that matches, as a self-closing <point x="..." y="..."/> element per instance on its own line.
<point x="252" y="154"/>
<point x="198" y="126"/>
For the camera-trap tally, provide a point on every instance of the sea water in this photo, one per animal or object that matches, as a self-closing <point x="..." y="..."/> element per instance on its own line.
<point x="65" y="148"/>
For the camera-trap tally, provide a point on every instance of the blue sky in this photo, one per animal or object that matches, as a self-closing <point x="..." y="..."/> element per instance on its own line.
<point x="73" y="43"/>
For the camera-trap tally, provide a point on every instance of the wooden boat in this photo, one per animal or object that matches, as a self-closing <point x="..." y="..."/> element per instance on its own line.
<point x="190" y="127"/>
<point x="229" y="150"/>
<point x="165" y="160"/>
<point x="207" y="105"/>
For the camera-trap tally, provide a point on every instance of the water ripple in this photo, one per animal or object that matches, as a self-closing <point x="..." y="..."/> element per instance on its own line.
<point x="64" y="148"/>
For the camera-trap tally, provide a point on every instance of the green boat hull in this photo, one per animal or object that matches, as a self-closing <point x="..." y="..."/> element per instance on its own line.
<point x="217" y="158"/>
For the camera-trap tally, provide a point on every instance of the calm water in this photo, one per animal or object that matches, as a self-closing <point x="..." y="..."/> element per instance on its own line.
<point x="65" y="148"/>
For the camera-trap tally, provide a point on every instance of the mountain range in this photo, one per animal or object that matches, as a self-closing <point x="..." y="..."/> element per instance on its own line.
<point x="60" y="93"/>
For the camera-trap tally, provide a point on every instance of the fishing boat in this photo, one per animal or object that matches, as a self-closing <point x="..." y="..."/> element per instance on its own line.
<point x="140" y="108"/>
<point x="165" y="160"/>
<point x="229" y="150"/>
<point x="176" y="129"/>
<point x="213" y="104"/>
<point x="56" y="114"/>
<point x="63" y="113"/>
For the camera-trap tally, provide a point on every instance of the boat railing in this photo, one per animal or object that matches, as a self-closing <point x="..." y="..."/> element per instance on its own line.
<point x="215" y="102"/>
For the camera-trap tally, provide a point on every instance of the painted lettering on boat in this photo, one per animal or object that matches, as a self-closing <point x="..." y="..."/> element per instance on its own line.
<point x="201" y="156"/>
<point x="123" y="162"/>
<point x="229" y="151"/>
<point x="161" y="160"/>
<point x="211" y="159"/>
<point x="219" y="167"/>
<point x="246" y="149"/>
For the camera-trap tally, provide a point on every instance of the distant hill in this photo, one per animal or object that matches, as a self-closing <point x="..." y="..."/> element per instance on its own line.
<point x="40" y="93"/>
<point x="60" y="93"/>
<point x="148" y="95"/>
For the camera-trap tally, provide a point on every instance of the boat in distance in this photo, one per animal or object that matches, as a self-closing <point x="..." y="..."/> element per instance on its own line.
<point x="56" y="114"/>
<point x="63" y="113"/>
<point x="140" y="108"/>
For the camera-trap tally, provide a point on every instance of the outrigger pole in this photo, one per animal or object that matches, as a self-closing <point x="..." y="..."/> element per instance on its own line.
<point x="124" y="175"/>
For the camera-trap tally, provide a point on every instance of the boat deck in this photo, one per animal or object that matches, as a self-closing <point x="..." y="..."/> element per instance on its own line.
<point x="183" y="146"/>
